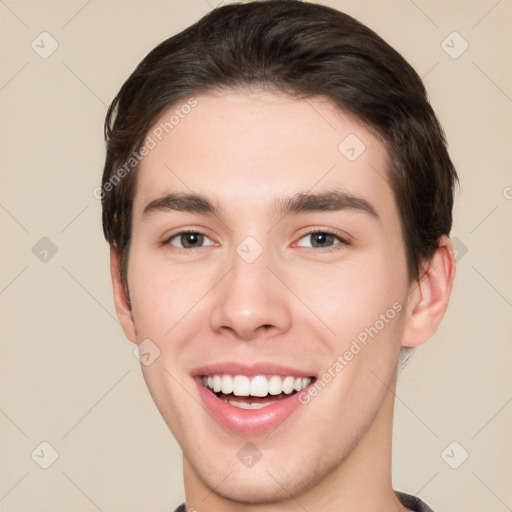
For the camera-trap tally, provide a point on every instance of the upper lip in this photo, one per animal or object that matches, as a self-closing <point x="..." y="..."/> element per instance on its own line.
<point x="237" y="368"/>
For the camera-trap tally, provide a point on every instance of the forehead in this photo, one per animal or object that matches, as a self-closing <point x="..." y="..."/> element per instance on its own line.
<point x="250" y="148"/>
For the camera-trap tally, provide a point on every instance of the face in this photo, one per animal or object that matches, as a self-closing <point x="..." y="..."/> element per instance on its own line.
<point x="291" y="274"/>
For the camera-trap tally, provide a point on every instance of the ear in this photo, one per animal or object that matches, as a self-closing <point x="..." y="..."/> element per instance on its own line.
<point x="428" y="297"/>
<point x="123" y="308"/>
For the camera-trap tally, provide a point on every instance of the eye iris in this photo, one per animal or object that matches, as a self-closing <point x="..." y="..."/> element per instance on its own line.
<point x="322" y="238"/>
<point x="190" y="240"/>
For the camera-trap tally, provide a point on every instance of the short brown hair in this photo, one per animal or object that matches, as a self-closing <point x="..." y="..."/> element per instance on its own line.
<point x="303" y="50"/>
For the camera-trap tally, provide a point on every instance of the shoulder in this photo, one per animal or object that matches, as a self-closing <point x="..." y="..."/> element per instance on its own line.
<point x="409" y="501"/>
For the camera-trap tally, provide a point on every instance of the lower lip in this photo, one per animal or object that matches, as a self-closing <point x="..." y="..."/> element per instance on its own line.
<point x="248" y="421"/>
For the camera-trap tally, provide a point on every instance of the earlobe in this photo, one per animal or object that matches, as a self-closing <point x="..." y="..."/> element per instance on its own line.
<point x="429" y="296"/>
<point x="123" y="308"/>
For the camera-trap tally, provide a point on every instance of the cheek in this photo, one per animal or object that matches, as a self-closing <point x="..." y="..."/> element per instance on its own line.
<point x="162" y="294"/>
<point x="351" y="296"/>
<point x="363" y="306"/>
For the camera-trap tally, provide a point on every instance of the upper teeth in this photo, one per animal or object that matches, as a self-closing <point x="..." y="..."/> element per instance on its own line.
<point x="260" y="385"/>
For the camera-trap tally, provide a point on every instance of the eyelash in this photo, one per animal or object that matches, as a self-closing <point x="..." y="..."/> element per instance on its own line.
<point x="336" y="247"/>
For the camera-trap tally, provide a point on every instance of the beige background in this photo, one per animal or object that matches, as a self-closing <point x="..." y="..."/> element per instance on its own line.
<point x="69" y="377"/>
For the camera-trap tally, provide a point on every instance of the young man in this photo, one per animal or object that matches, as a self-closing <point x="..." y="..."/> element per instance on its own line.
<point x="277" y="196"/>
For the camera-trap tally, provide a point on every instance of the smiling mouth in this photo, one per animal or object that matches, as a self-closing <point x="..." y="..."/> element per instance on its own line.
<point x="255" y="392"/>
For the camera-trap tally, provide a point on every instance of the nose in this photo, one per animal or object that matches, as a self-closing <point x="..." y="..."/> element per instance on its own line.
<point x="250" y="301"/>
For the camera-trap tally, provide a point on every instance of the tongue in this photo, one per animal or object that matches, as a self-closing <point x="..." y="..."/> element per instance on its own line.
<point x="253" y="399"/>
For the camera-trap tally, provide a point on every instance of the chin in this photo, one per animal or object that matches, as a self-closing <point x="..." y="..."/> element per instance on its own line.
<point x="263" y="483"/>
<point x="246" y="487"/>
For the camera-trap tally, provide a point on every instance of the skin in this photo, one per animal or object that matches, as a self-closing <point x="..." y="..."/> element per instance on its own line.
<point x="249" y="149"/>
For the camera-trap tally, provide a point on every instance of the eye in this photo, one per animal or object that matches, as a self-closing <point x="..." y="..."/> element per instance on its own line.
<point x="188" y="240"/>
<point x="323" y="239"/>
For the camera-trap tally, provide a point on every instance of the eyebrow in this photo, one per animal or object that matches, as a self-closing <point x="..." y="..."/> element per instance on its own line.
<point x="302" y="202"/>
